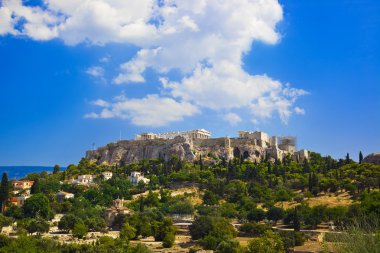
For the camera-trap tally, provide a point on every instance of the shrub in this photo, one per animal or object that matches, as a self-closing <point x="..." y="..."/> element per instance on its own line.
<point x="168" y="241"/>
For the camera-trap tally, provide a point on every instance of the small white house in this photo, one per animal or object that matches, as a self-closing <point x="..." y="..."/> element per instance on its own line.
<point x="62" y="196"/>
<point x="83" y="180"/>
<point x="136" y="177"/>
<point x="107" y="175"/>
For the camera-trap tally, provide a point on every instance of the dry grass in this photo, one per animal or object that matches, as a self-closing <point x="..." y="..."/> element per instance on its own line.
<point x="244" y="240"/>
<point x="330" y="200"/>
<point x="194" y="191"/>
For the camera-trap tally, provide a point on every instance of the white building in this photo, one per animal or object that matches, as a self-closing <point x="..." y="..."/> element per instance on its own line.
<point x="136" y="177"/>
<point x="62" y="196"/>
<point x="107" y="175"/>
<point x="193" y="134"/>
<point x="83" y="180"/>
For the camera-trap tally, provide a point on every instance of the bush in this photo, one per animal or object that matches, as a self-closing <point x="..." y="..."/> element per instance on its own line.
<point x="270" y="242"/>
<point x="254" y="229"/>
<point x="230" y="246"/>
<point x="4" y="241"/>
<point x="256" y="215"/>
<point x="80" y="230"/>
<point x="168" y="241"/>
<point x="210" y="242"/>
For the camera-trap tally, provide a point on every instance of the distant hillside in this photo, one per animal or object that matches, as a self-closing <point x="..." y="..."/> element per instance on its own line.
<point x="17" y="172"/>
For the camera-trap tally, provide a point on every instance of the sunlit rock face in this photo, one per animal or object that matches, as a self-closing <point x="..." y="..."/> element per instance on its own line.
<point x="211" y="150"/>
<point x="129" y="151"/>
<point x="372" y="158"/>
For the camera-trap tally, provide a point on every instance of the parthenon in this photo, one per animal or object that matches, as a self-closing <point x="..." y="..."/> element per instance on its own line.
<point x="192" y="134"/>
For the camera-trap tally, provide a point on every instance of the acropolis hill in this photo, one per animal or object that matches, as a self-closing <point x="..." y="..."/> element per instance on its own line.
<point x="190" y="145"/>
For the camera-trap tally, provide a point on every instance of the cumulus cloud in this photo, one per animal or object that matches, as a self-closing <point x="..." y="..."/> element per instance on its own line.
<point x="151" y="110"/>
<point x="232" y="118"/>
<point x="204" y="39"/>
<point x="6" y="25"/>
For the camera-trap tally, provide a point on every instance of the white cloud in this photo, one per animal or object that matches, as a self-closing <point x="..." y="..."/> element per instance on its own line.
<point x="204" y="39"/>
<point x="149" y="111"/>
<point x="104" y="59"/>
<point x="91" y="115"/>
<point x="6" y="25"/>
<point x="95" y="71"/>
<point x="299" y="110"/>
<point x="232" y="118"/>
<point x="101" y="103"/>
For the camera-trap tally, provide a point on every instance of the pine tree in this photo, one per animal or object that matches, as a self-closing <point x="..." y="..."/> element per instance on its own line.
<point x="360" y="157"/>
<point x="4" y="191"/>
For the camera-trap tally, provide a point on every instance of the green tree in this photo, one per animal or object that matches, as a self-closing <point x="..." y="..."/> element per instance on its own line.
<point x="68" y="222"/>
<point x="210" y="198"/>
<point x="56" y="169"/>
<point x="212" y="230"/>
<point x="296" y="220"/>
<point x="4" y="191"/>
<point x="348" y="160"/>
<point x="236" y="190"/>
<point x="360" y="157"/>
<point x="229" y="246"/>
<point x="168" y="240"/>
<point x="163" y="228"/>
<point x="36" y="188"/>
<point x="256" y="214"/>
<point x="275" y="214"/>
<point x="37" y="206"/>
<point x="80" y="230"/>
<point x="128" y="232"/>
<point x="270" y="242"/>
<point x="5" y="221"/>
<point x="37" y="225"/>
<point x="254" y="229"/>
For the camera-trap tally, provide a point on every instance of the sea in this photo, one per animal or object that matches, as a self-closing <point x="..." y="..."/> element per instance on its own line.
<point x="19" y="172"/>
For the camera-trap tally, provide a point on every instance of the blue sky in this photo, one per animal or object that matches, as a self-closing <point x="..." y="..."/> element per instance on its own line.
<point x="60" y="92"/>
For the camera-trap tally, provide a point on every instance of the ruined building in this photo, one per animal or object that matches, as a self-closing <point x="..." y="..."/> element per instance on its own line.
<point x="189" y="145"/>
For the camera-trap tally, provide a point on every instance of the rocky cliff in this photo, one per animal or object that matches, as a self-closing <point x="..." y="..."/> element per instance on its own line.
<point x="137" y="150"/>
<point x="372" y="158"/>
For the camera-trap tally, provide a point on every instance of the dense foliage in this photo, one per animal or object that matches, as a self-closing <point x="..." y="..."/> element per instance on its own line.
<point x="240" y="191"/>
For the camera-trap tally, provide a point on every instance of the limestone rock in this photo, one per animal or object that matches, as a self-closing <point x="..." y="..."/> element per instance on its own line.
<point x="211" y="150"/>
<point x="372" y="158"/>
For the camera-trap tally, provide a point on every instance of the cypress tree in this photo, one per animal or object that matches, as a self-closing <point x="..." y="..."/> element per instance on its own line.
<point x="296" y="221"/>
<point x="4" y="191"/>
<point x="310" y="182"/>
<point x="56" y="169"/>
<point x="360" y="157"/>
<point x="141" y="204"/>
<point x="35" y="187"/>
<point x="347" y="158"/>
